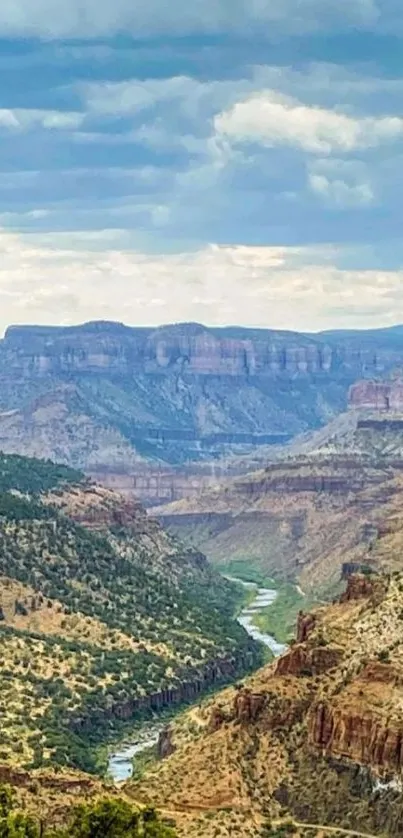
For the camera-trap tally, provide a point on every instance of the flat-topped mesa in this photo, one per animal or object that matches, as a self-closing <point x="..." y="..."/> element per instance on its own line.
<point x="380" y="396"/>
<point x="186" y="347"/>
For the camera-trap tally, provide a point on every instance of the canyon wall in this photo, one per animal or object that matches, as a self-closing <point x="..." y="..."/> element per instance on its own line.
<point x="104" y="347"/>
<point x="149" y="410"/>
<point x="379" y="396"/>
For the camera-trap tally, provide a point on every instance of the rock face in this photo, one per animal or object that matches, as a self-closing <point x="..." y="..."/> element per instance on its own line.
<point x="385" y="396"/>
<point x="367" y="739"/>
<point x="305" y="625"/>
<point x="165" y="746"/>
<point x="103" y="346"/>
<point x="248" y="706"/>
<point x="144" y="409"/>
<point x="362" y="587"/>
<point x="308" y="662"/>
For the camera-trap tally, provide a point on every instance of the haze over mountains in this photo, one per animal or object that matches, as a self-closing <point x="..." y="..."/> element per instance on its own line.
<point x="149" y="410"/>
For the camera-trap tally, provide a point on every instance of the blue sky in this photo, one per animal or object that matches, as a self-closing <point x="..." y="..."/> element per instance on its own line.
<point x="224" y="161"/>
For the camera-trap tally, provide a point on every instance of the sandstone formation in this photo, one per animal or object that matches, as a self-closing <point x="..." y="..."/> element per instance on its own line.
<point x="247" y="706"/>
<point x="165" y="746"/>
<point x="309" y="662"/>
<point x="317" y="736"/>
<point x="363" y="587"/>
<point x="149" y="411"/>
<point x="104" y="346"/>
<point x="384" y="396"/>
<point x="305" y="625"/>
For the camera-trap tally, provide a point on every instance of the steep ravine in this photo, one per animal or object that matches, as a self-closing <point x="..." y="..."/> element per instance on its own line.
<point x="120" y="765"/>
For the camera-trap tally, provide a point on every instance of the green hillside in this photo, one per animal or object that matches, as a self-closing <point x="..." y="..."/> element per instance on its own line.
<point x="103" y="618"/>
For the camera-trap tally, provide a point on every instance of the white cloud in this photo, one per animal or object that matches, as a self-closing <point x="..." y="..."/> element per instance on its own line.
<point x="67" y="279"/>
<point x="24" y="119"/>
<point x="8" y="119"/>
<point x="341" y="193"/>
<point x="272" y="119"/>
<point x="136" y="94"/>
<point x="87" y="18"/>
<point x="341" y="183"/>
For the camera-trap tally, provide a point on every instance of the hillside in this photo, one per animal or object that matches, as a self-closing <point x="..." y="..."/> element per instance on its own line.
<point x="57" y="805"/>
<point x="103" y="617"/>
<point x="152" y="410"/>
<point x="296" y="521"/>
<point x="314" y="738"/>
<point x="302" y="517"/>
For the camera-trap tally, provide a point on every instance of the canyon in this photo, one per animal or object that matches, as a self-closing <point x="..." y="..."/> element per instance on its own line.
<point x="104" y="618"/>
<point x="299" y="513"/>
<point x="315" y="737"/>
<point x="166" y="412"/>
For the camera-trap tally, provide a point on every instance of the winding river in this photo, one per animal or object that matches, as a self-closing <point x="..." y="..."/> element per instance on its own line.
<point x="120" y="766"/>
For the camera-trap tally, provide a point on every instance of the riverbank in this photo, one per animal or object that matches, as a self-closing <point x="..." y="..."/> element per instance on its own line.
<point x="120" y="765"/>
<point x="280" y="617"/>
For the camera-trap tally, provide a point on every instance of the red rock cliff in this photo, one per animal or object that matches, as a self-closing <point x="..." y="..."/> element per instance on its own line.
<point x="190" y="347"/>
<point x="385" y="396"/>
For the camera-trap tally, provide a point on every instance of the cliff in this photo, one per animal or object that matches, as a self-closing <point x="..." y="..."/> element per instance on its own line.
<point x="316" y="737"/>
<point x="104" y="346"/>
<point x="151" y="410"/>
<point x="384" y="396"/>
<point x="304" y="520"/>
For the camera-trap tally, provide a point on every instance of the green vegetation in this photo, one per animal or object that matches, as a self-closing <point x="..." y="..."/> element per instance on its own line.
<point x="109" y="818"/>
<point x="144" y="761"/>
<point x="100" y="625"/>
<point x="25" y="474"/>
<point x="245" y="570"/>
<point x="280" y="618"/>
<point x="115" y="819"/>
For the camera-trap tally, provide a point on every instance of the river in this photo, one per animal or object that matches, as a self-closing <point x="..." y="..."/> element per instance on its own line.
<point x="120" y="766"/>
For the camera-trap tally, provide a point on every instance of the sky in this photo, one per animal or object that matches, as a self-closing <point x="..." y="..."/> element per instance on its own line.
<point x="221" y="161"/>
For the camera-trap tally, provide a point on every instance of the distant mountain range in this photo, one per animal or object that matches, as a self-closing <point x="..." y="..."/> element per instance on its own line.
<point x="134" y="405"/>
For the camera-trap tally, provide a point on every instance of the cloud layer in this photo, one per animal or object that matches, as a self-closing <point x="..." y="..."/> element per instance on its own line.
<point x="221" y="162"/>
<point x="286" y="288"/>
<point x="273" y="119"/>
<point x="90" y="18"/>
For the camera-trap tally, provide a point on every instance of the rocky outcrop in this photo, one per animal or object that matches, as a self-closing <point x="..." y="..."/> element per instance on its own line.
<point x="218" y="673"/>
<point x="360" y="586"/>
<point x="58" y="782"/>
<point x="337" y="475"/>
<point x="248" y="706"/>
<point x="300" y="661"/>
<point x="217" y="719"/>
<point x="379" y="396"/>
<point x="305" y="625"/>
<point x="165" y="745"/>
<point x="158" y="485"/>
<point x="104" y="346"/>
<point x="363" y="738"/>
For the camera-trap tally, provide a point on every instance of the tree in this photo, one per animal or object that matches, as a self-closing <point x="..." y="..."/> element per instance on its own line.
<point x="117" y="819"/>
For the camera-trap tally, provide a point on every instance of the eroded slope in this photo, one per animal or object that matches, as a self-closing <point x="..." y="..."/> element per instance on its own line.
<point x="104" y="617"/>
<point x="315" y="738"/>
